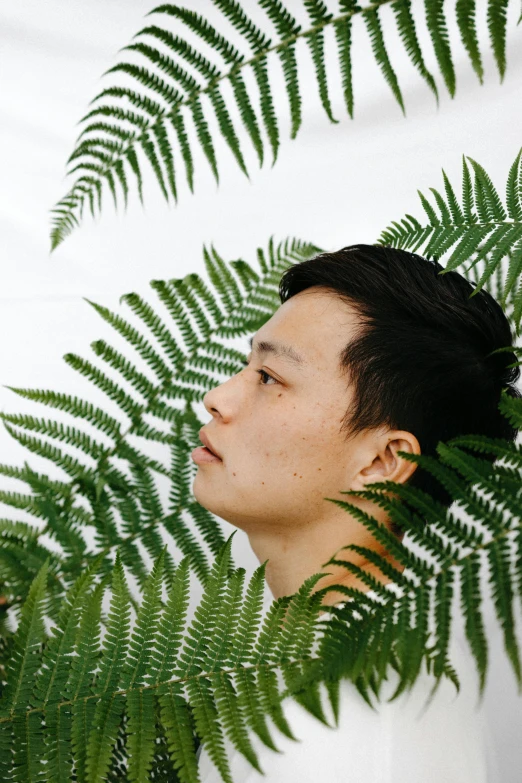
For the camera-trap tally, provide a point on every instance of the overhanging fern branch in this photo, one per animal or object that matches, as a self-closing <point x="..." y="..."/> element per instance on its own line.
<point x="478" y="229"/>
<point x="148" y="124"/>
<point x="123" y="505"/>
<point x="90" y="710"/>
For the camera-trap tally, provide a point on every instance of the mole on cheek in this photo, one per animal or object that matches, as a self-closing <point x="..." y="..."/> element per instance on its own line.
<point x="235" y="474"/>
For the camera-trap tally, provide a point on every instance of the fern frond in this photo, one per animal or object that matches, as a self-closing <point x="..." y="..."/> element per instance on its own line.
<point x="118" y="141"/>
<point x="480" y="231"/>
<point x="122" y="505"/>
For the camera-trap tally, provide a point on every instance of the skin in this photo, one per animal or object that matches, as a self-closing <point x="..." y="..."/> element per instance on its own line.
<point x="283" y="452"/>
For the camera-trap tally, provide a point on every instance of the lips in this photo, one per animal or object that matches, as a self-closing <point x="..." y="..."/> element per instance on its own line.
<point x="206" y="442"/>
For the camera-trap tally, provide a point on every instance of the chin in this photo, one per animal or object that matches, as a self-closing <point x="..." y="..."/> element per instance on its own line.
<point x="204" y="495"/>
<point x="196" y="490"/>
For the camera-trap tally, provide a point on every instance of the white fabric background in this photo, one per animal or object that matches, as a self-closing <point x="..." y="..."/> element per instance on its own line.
<point x="334" y="185"/>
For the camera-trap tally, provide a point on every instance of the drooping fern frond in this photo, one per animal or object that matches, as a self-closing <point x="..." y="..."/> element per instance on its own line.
<point x="173" y="81"/>
<point x="110" y="484"/>
<point x="479" y="230"/>
<point x="213" y="681"/>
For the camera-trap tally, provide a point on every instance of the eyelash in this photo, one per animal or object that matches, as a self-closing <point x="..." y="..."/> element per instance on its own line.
<point x="262" y="374"/>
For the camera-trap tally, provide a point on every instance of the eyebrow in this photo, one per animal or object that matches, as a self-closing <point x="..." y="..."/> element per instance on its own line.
<point x="278" y="349"/>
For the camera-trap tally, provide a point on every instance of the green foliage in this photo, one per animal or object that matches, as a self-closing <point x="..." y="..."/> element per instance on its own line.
<point x="109" y="483"/>
<point x="134" y="694"/>
<point x="176" y="685"/>
<point x="479" y="229"/>
<point x="130" y="127"/>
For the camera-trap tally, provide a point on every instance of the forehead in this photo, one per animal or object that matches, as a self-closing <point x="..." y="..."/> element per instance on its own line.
<point x="316" y="324"/>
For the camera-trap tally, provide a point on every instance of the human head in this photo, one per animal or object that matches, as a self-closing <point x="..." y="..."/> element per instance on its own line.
<point x="396" y="359"/>
<point x="280" y="435"/>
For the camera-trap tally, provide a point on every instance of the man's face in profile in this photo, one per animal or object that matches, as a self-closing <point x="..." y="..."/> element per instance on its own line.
<point x="278" y="431"/>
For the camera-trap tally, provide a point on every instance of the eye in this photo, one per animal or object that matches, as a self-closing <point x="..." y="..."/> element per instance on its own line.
<point x="264" y="375"/>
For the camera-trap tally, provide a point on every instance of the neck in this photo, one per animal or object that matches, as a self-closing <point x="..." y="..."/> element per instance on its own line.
<point x="294" y="555"/>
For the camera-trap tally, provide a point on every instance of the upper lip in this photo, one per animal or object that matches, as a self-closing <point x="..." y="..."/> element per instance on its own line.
<point x="205" y="441"/>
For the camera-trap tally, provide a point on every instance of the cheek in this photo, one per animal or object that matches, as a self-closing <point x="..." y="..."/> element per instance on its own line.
<point x="302" y="444"/>
<point x="289" y="444"/>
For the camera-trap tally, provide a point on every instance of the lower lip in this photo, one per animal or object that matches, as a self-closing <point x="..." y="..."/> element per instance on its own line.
<point x="202" y="455"/>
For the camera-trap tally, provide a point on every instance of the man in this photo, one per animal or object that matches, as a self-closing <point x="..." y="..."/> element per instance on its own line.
<point x="372" y="352"/>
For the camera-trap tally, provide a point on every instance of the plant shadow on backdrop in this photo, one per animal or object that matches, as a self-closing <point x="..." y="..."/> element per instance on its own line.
<point x="137" y="704"/>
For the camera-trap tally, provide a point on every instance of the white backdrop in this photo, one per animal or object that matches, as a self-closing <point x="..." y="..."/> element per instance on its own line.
<point x="334" y="185"/>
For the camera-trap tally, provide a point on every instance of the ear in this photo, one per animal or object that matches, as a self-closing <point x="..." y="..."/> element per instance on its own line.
<point x="386" y="465"/>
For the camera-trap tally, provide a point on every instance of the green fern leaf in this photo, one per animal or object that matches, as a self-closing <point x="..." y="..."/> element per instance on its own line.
<point x="76" y="407"/>
<point x="498" y="556"/>
<point x="134" y="338"/>
<point x="491" y="203"/>
<point x="24" y="661"/>
<point x="140" y="703"/>
<point x="51" y="683"/>
<point x="243" y="639"/>
<point x="248" y="114"/>
<point x="270" y="699"/>
<point x="146" y="313"/>
<point x="497" y="13"/>
<point x="179" y="726"/>
<point x="252" y="710"/>
<point x="109" y="708"/>
<point x="514" y="189"/>
<point x="232" y="717"/>
<point x="466" y="12"/>
<point x="28" y="748"/>
<point x="437" y="27"/>
<point x="408" y="34"/>
<point x="319" y="16"/>
<point x="127" y="403"/>
<point x="471" y="602"/>
<point x="64" y="433"/>
<point x="287" y="28"/>
<point x="192" y="656"/>
<point x="227" y="127"/>
<point x="169" y="295"/>
<point x="81" y="676"/>
<point x="208" y="726"/>
<point x="373" y="24"/>
<point x="343" y="35"/>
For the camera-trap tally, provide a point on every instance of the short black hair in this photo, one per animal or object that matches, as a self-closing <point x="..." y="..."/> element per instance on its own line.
<point x="420" y="359"/>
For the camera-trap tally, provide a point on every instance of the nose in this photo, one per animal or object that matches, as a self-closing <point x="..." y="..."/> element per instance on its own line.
<point x="220" y="400"/>
<point x="209" y="402"/>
